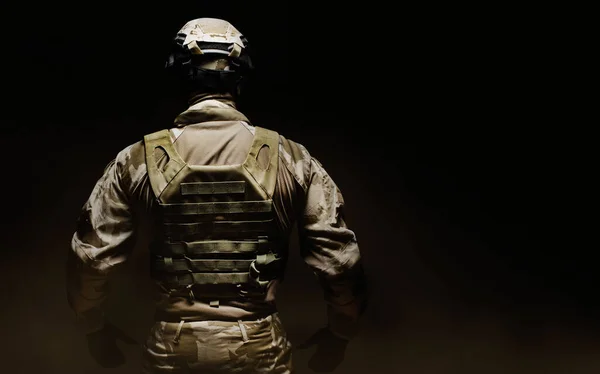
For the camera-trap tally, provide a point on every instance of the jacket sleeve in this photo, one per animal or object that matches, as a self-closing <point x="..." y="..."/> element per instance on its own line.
<point x="331" y="250"/>
<point x="103" y="238"/>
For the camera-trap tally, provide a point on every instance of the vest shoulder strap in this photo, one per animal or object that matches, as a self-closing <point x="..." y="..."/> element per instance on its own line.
<point x="265" y="175"/>
<point x="160" y="178"/>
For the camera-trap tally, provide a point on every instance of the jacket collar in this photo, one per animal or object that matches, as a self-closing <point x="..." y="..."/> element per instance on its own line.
<point x="210" y="107"/>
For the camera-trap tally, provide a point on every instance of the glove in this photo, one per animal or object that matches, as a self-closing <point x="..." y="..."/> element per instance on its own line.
<point x="330" y="351"/>
<point x="102" y="345"/>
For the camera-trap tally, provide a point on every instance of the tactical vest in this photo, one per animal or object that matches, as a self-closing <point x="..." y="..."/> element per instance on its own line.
<point x="217" y="237"/>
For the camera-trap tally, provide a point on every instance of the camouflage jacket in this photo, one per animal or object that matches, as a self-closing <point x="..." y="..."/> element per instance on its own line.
<point x="305" y="196"/>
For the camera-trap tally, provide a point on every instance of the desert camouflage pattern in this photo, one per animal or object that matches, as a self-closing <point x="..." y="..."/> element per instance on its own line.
<point x="213" y="132"/>
<point x="259" y="346"/>
<point x="211" y="30"/>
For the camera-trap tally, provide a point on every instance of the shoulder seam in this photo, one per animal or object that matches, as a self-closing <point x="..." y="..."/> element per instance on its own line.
<point x="288" y="167"/>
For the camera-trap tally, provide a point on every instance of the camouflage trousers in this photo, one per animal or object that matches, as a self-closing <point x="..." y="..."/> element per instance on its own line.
<point x="211" y="347"/>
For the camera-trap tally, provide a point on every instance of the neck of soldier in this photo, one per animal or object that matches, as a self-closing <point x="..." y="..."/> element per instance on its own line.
<point x="198" y="96"/>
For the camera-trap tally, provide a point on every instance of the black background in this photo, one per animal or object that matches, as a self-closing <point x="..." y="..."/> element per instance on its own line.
<point x="462" y="173"/>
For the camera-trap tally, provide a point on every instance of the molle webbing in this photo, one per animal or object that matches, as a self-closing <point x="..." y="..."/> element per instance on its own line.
<point x="218" y="208"/>
<point x="210" y="292"/>
<point x="213" y="247"/>
<point x="179" y="230"/>
<point x="213" y="188"/>
<point x="187" y="265"/>
<point x="207" y="278"/>
<point x="200" y="204"/>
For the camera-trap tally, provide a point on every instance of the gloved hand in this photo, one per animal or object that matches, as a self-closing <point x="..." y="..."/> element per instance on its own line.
<point x="102" y="345"/>
<point x="330" y="350"/>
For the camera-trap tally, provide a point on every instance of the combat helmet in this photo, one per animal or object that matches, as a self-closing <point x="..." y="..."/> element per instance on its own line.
<point x="210" y="53"/>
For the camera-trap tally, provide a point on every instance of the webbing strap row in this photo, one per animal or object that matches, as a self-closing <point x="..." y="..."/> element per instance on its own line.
<point x="218" y="227"/>
<point x="214" y="246"/>
<point x="171" y="265"/>
<point x="208" y="278"/>
<point x="212" y="188"/>
<point x="218" y="207"/>
<point x="218" y="292"/>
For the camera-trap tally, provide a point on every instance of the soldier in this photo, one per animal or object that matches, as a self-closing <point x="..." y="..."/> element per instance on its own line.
<point x="223" y="196"/>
